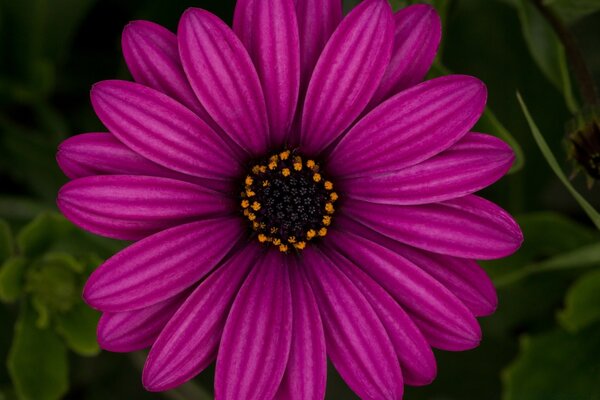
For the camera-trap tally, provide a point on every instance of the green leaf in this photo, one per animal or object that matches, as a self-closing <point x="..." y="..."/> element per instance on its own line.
<point x="546" y="50"/>
<point x="488" y="123"/>
<point x="53" y="232"/>
<point x="541" y="142"/>
<point x="555" y="365"/>
<point x="582" y="304"/>
<point x="12" y="278"/>
<point x="585" y="257"/>
<point x="572" y="10"/>
<point x="37" y="236"/>
<point x="78" y="328"/>
<point x="37" y="361"/>
<point x="6" y="241"/>
<point x="54" y="285"/>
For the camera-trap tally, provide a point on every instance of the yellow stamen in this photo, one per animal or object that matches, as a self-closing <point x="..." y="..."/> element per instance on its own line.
<point x="255" y="225"/>
<point x="311" y="164"/>
<point x="246" y="212"/>
<point x="328" y="185"/>
<point x="251" y="216"/>
<point x="300" y="245"/>
<point x="322" y="232"/>
<point x="317" y="177"/>
<point x="262" y="238"/>
<point x="327" y="220"/>
<point x="249" y="180"/>
<point x="283" y="248"/>
<point x="329" y="208"/>
<point x="273" y="165"/>
<point x="285" y="172"/>
<point x="256" y="169"/>
<point x="245" y="203"/>
<point x="265" y="183"/>
<point x="250" y="193"/>
<point x="256" y="206"/>
<point x="276" y="241"/>
<point x="311" y="234"/>
<point x="298" y="166"/>
<point x="333" y="196"/>
<point x="284" y="155"/>
<point x="262" y="169"/>
<point x="292" y="239"/>
<point x="273" y="230"/>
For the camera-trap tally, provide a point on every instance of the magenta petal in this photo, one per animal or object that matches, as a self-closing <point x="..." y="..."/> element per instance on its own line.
<point x="416" y="41"/>
<point x="414" y="353"/>
<point x="347" y="74"/>
<point x="224" y="79"/>
<point x="306" y="371"/>
<point x="463" y="277"/>
<point x="410" y="127"/>
<point x="162" y="130"/>
<point x="256" y="341"/>
<point x="91" y="154"/>
<point x="357" y="342"/>
<point x="137" y="329"/>
<point x="443" y="319"/>
<point x="267" y="29"/>
<point x="317" y="20"/>
<point x="189" y="342"/>
<point x="131" y="207"/>
<point x="152" y="56"/>
<point x="467" y="280"/>
<point x="162" y="265"/>
<point x="467" y="227"/>
<point x="472" y="164"/>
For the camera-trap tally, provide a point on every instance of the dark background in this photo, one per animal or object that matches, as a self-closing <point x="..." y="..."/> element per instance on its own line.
<point x="52" y="51"/>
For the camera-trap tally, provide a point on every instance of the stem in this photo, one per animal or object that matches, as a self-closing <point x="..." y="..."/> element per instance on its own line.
<point x="187" y="391"/>
<point x="584" y="78"/>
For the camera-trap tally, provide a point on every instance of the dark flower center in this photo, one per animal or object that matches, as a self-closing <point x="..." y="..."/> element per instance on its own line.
<point x="288" y="201"/>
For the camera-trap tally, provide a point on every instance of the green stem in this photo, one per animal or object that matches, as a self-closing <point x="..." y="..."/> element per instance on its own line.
<point x="581" y="71"/>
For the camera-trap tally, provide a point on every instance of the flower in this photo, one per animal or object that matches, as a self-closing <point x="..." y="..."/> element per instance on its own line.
<point x="293" y="192"/>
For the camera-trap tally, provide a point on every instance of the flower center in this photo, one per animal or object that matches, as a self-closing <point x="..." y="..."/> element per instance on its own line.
<point x="288" y="201"/>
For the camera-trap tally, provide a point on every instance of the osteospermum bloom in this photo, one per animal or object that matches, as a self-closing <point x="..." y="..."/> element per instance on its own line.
<point x="294" y="193"/>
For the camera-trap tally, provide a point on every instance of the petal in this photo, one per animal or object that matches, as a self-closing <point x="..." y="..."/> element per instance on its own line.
<point x="256" y="341"/>
<point x="189" y="342"/>
<point x="162" y="130"/>
<point x="133" y="207"/>
<point x="91" y="154"/>
<point x="414" y="353"/>
<point x="463" y="277"/>
<point x="306" y="371"/>
<point x="444" y="321"/>
<point x="416" y="41"/>
<point x="317" y="20"/>
<point x="268" y="30"/>
<point x="347" y="74"/>
<point x="162" y="265"/>
<point x="410" y="127"/>
<point x="467" y="227"/>
<point x="472" y="164"/>
<point x="152" y="56"/>
<point x="224" y="79"/>
<point x="356" y="340"/>
<point x="137" y="329"/>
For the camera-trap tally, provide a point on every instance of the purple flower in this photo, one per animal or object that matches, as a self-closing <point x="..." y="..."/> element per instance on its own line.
<point x="294" y="192"/>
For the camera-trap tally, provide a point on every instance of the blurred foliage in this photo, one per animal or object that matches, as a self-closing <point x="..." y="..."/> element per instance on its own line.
<point x="543" y="342"/>
<point x="43" y="269"/>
